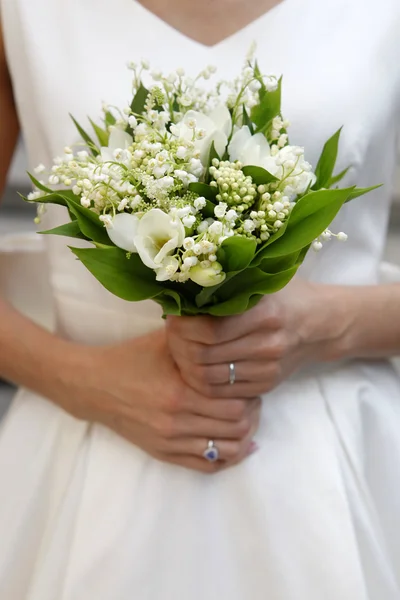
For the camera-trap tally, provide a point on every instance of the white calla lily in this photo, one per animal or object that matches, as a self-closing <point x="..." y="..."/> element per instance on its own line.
<point x="118" y="140"/>
<point x="158" y="235"/>
<point x="217" y="127"/>
<point x="207" y="276"/>
<point x="251" y="150"/>
<point x="122" y="231"/>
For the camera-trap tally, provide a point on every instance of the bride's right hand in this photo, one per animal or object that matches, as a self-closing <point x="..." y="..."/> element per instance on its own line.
<point x="136" y="389"/>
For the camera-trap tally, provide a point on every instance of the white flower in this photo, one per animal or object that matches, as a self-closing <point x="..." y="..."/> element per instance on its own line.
<point x="215" y="228"/>
<point x="231" y="215"/>
<point x="157" y="236"/>
<point x="122" y="230"/>
<point x="207" y="276"/>
<point x="182" y="152"/>
<point x="217" y="127"/>
<point x="316" y="246"/>
<point x="189" y="221"/>
<point x="188" y="243"/>
<point x="132" y="121"/>
<point x="249" y="225"/>
<point x="40" y="168"/>
<point x="341" y="236"/>
<point x="220" y="210"/>
<point x="251" y="150"/>
<point x="200" y="203"/>
<point x="271" y="83"/>
<point x="168" y="268"/>
<point x="118" y="140"/>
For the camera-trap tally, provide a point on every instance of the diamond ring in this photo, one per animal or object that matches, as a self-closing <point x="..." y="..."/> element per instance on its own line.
<point x="211" y="453"/>
<point x="232" y="373"/>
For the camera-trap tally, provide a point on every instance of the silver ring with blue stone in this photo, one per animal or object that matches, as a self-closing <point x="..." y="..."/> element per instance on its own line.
<point x="211" y="453"/>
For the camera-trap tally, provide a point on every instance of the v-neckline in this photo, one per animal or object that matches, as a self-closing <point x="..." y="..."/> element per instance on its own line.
<point x="150" y="14"/>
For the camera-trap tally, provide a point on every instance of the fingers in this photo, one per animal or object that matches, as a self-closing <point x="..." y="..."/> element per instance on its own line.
<point x="209" y="330"/>
<point x="228" y="450"/>
<point x="226" y="409"/>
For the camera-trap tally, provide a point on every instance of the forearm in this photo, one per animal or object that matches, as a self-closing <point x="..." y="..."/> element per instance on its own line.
<point x="31" y="356"/>
<point x="362" y="321"/>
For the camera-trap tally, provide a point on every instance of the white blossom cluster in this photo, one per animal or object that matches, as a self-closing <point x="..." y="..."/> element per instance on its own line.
<point x="140" y="179"/>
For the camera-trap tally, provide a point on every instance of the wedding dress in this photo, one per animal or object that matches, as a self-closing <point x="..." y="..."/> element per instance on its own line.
<point x="315" y="513"/>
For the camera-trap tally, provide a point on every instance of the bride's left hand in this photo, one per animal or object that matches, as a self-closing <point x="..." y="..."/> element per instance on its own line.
<point x="285" y="331"/>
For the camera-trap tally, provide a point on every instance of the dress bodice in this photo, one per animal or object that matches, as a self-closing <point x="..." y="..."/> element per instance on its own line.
<point x="339" y="61"/>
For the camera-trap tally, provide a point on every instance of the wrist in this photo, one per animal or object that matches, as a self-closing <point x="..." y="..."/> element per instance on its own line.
<point x="331" y="315"/>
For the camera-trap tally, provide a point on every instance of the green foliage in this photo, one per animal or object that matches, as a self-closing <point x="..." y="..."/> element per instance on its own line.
<point x="309" y="218"/>
<point x="236" y="253"/>
<point x="139" y="101"/>
<point x="102" y="134"/>
<point x="71" y="229"/>
<point x="327" y="161"/>
<point x="268" y="108"/>
<point x="124" y="277"/>
<point x="247" y="121"/>
<point x="259" y="175"/>
<point x="86" y="137"/>
<point x="203" y="189"/>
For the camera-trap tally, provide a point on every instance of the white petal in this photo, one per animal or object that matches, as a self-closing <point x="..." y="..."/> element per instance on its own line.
<point x="222" y="119"/>
<point x="107" y="155"/>
<point x="202" y="120"/>
<point x="157" y="235"/>
<point x="239" y="139"/>
<point x="123" y="231"/>
<point x="168" y="268"/>
<point x="220" y="141"/>
<point x="119" y="139"/>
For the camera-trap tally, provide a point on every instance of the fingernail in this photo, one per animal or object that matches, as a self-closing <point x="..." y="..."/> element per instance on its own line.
<point x="253" y="448"/>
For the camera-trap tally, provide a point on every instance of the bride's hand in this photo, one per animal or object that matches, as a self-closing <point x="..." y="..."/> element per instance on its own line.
<point x="282" y="333"/>
<point x="136" y="389"/>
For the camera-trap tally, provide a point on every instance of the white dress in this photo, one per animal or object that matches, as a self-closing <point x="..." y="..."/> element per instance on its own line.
<point x="315" y="513"/>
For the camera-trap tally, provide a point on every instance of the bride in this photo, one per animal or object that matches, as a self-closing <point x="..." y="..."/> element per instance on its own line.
<point x="105" y="489"/>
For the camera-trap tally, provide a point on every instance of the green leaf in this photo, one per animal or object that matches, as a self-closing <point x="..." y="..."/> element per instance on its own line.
<point x="281" y="263"/>
<point x="311" y="215"/>
<point x="90" y="224"/>
<point x="236" y="253"/>
<point x="110" y="119"/>
<point x="128" y="279"/>
<point x="357" y="192"/>
<point x="39" y="185"/>
<point x="327" y="161"/>
<point x="338" y="177"/>
<point x="208" y="210"/>
<point x="259" y="175"/>
<point x="86" y="137"/>
<point x="202" y="189"/>
<point x="139" y="101"/>
<point x="236" y="296"/>
<point x="71" y="229"/>
<point x="102" y="135"/>
<point x="170" y="302"/>
<point x="247" y="121"/>
<point x="268" y="108"/>
<point x="54" y="198"/>
<point x="259" y="77"/>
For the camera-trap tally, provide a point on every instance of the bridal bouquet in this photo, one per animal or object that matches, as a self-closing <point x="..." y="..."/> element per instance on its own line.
<point x="193" y="196"/>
